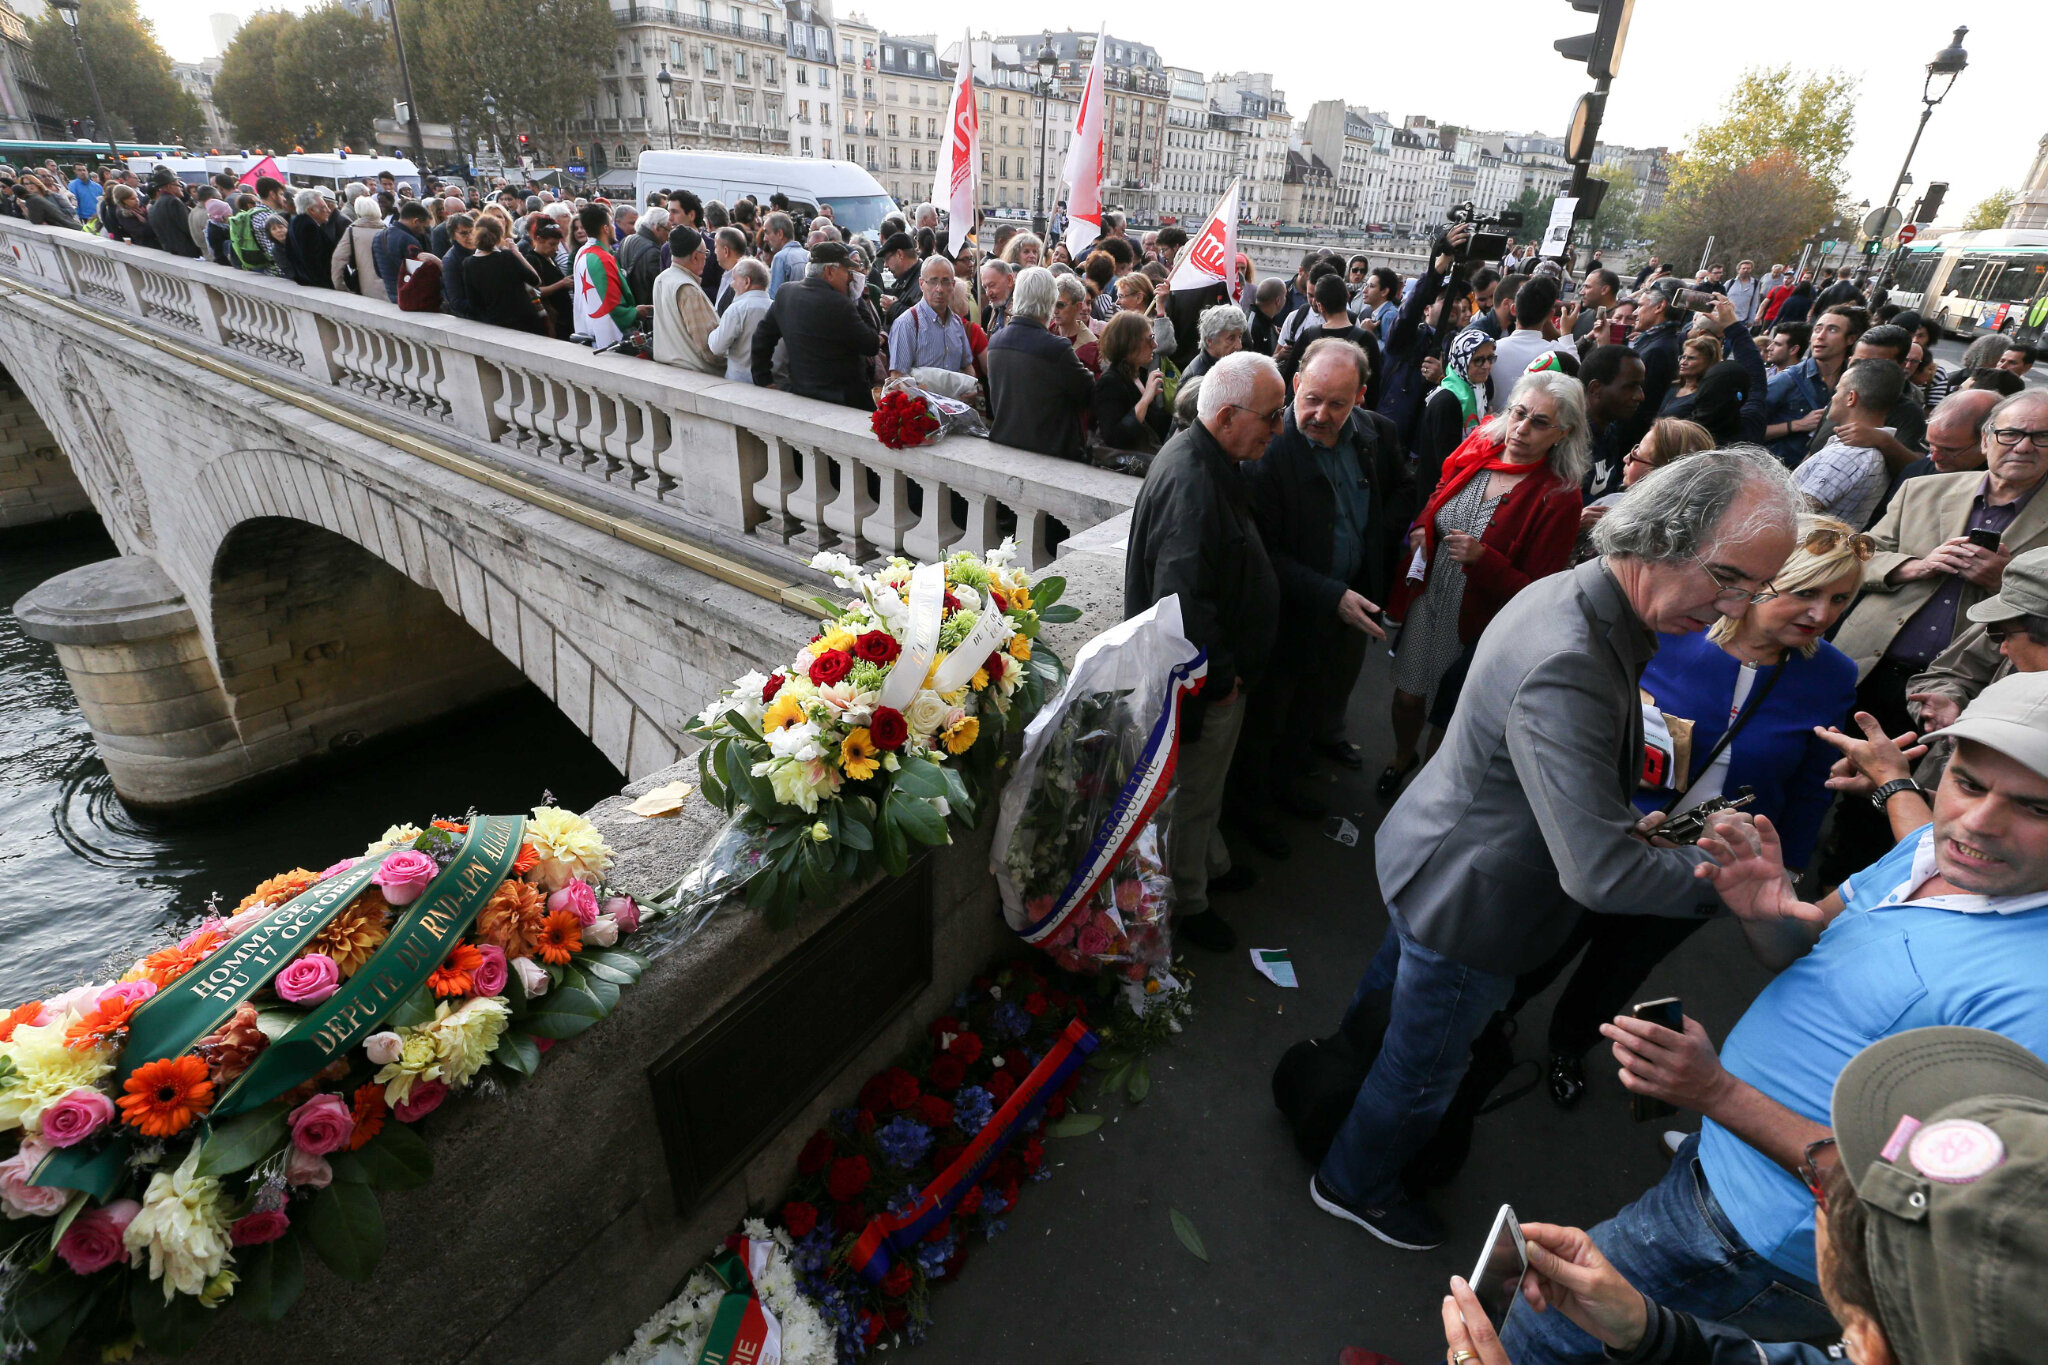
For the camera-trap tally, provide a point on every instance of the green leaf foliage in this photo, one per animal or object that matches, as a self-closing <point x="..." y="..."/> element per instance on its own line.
<point x="172" y="1328"/>
<point x="518" y="1052"/>
<point x="242" y="1141"/>
<point x="345" y="1227"/>
<point x="1184" y="1228"/>
<point x="416" y="1009"/>
<point x="1073" y="1125"/>
<point x="398" y="1157"/>
<point x="48" y="1305"/>
<point x="563" y="1012"/>
<point x="269" y="1278"/>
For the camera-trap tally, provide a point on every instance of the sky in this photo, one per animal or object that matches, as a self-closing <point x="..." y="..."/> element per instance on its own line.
<point x="1679" y="64"/>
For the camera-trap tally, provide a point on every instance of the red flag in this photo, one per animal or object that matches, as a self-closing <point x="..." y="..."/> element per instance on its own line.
<point x="267" y="166"/>
<point x="1085" y="159"/>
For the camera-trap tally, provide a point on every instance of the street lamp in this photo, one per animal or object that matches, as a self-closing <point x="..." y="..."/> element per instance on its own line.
<point x="1048" y="63"/>
<point x="491" y="113"/>
<point x="69" y="9"/>
<point x="667" y="81"/>
<point x="1941" y="78"/>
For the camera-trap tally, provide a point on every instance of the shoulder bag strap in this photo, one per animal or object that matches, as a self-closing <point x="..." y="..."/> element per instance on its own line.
<point x="1750" y="708"/>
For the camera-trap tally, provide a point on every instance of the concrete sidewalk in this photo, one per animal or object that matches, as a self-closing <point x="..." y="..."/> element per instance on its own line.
<point x="1090" y="1270"/>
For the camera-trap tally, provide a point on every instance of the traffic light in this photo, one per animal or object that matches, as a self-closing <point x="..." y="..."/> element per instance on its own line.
<point x="1930" y="202"/>
<point x="1600" y="50"/>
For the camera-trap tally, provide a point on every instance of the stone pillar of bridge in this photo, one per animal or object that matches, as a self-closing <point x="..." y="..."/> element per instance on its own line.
<point x="132" y="650"/>
<point x="37" y="484"/>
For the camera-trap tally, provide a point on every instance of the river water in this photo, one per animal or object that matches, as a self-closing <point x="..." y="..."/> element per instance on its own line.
<point x="85" y="882"/>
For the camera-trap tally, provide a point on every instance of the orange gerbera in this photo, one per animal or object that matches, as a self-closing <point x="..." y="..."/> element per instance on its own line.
<point x="165" y="1097"/>
<point x="560" y="935"/>
<point x="166" y="965"/>
<point x="451" y="826"/>
<point x="16" y="1017"/>
<point x="369" y="1110"/>
<point x="527" y="861"/>
<point x="279" y="889"/>
<point x="91" y="1030"/>
<point x="452" y="976"/>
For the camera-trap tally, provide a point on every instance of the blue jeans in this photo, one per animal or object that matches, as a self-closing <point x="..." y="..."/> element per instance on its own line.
<point x="1678" y="1247"/>
<point x="1438" y="1008"/>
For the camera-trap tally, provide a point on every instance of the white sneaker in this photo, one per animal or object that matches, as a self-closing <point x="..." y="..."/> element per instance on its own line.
<point x="1673" y="1140"/>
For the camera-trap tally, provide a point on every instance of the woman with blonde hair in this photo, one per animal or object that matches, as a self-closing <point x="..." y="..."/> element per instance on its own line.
<point x="1024" y="251"/>
<point x="1667" y="439"/>
<point x="1734" y="707"/>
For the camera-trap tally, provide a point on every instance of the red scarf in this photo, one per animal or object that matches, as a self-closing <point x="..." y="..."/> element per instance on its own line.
<point x="1476" y="456"/>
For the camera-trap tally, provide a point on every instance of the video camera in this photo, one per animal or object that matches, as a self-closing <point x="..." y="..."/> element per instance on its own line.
<point x="1490" y="236"/>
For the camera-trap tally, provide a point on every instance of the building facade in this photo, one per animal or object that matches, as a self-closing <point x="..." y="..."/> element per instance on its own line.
<point x="810" y="81"/>
<point x="725" y="64"/>
<point x="1136" y="92"/>
<point x="1308" y="190"/>
<point x="27" y="109"/>
<point x="911" y="114"/>
<point x="197" y="80"/>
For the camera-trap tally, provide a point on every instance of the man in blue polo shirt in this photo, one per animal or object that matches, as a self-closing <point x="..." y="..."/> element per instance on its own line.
<point x="1950" y="927"/>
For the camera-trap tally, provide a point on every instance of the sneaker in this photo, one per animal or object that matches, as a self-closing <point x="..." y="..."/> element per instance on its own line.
<point x="1239" y="878"/>
<point x="1207" y="930"/>
<point x="1408" y="1225"/>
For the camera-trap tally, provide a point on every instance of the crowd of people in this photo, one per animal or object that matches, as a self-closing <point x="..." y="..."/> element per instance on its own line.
<point x="1636" y="549"/>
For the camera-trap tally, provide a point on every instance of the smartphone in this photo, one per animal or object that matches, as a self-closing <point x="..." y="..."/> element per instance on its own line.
<point x="1497" y="1279"/>
<point x="1986" y="539"/>
<point x="1665" y="1013"/>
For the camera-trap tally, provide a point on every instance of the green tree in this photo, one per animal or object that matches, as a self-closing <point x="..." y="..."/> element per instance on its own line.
<point x="132" y="70"/>
<point x="339" y="75"/>
<point x="1761" y="212"/>
<point x="1620" y="216"/>
<point x="1990" y="213"/>
<point x="1813" y="116"/>
<point x="465" y="49"/>
<point x="248" y="91"/>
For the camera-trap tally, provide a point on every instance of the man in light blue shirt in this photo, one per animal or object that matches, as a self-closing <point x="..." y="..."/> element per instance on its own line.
<point x="790" y="256"/>
<point x="1950" y="927"/>
<point x="86" y="191"/>
<point x="931" y="335"/>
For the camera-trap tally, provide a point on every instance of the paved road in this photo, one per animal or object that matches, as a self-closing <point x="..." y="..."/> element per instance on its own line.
<point x="1090" y="1270"/>
<point x="1950" y="353"/>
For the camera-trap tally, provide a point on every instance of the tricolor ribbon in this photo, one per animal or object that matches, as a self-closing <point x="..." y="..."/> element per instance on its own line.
<point x="891" y="1234"/>
<point x="743" y="1331"/>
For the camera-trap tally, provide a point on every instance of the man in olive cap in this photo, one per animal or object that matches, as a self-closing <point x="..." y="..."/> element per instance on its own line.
<point x="2009" y="634"/>
<point x="1948" y="928"/>
<point x="821" y="332"/>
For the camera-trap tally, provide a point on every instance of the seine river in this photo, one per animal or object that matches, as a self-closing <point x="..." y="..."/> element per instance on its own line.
<point x="86" y="883"/>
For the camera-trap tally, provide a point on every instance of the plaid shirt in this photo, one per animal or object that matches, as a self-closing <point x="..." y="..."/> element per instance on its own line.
<point x="1843" y="481"/>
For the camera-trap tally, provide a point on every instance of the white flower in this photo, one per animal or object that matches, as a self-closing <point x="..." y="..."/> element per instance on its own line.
<point x="795" y="741"/>
<point x="1003" y="554"/>
<point x="383" y="1048"/>
<point x="927" y="712"/>
<point x="394" y="837"/>
<point x="837" y="566"/>
<point x="531" y="977"/>
<point x="182" y="1226"/>
<point x="602" y="933"/>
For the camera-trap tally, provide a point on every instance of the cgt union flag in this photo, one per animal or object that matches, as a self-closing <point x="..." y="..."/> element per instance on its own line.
<point x="1085" y="159"/>
<point x="1211" y="257"/>
<point x="959" y="178"/>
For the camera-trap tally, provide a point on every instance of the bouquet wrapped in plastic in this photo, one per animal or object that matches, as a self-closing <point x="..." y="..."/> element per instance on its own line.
<point x="1080" y="851"/>
<point x="911" y="416"/>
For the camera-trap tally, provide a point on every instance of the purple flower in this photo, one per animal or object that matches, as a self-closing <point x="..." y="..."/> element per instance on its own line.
<point x="1011" y="1020"/>
<point x="972" y="1108"/>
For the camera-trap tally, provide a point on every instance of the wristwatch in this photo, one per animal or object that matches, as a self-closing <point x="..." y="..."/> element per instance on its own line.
<point x="1892" y="788"/>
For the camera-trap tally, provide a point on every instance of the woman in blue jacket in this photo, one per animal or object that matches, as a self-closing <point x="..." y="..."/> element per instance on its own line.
<point x="1771" y="674"/>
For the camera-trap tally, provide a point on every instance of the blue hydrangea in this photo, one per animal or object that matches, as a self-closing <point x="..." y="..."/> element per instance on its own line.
<point x="932" y="1256"/>
<point x="972" y="1109"/>
<point x="843" y="1119"/>
<point x="995" y="1226"/>
<point x="1011" y="1020"/>
<point x="811" y="1254"/>
<point x="992" y="1201"/>
<point x="903" y="1141"/>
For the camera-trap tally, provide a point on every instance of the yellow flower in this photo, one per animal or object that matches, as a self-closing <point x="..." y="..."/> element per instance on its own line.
<point x="568" y="845"/>
<point x="960" y="735"/>
<point x="836" y="638"/>
<point x="979" y="680"/>
<point x="1019" y="598"/>
<point x="45" y="1071"/>
<point x="1020" y="648"/>
<point x="857" y="754"/>
<point x="784" y="710"/>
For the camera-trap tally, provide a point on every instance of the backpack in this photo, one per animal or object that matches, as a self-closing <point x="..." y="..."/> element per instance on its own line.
<point x="248" y="251"/>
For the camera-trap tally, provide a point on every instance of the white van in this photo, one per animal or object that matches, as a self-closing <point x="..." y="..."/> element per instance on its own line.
<point x="333" y="170"/>
<point x="859" y="204"/>
<point x="190" y="169"/>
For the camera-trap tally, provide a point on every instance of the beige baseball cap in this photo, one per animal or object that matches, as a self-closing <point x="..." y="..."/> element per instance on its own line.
<point x="2011" y="716"/>
<point x="2022" y="592"/>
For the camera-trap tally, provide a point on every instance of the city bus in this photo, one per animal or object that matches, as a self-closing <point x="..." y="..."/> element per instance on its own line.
<point x="1969" y="282"/>
<point x="67" y="152"/>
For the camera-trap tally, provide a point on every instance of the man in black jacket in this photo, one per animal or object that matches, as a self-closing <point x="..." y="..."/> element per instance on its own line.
<point x="1038" y="388"/>
<point x="1331" y="497"/>
<point x="899" y="257"/>
<point x="1193" y="536"/>
<point x="310" y="240"/>
<point x="169" y="217"/>
<point x="1659" y="325"/>
<point x="823" y="338"/>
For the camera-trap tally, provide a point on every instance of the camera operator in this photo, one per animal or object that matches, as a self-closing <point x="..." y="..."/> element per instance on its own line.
<point x="1435" y="311"/>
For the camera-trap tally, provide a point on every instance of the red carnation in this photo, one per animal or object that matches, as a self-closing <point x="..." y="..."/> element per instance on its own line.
<point x="993" y="665"/>
<point x="1033" y="1155"/>
<point x="772" y="686"/>
<point x="1002" y="603"/>
<point x="875" y="1094"/>
<point x="847" y="1218"/>
<point x="897" y="1318"/>
<point x="848" y="1177"/>
<point x="1001" y="1085"/>
<point x="952" y="602"/>
<point x="896" y="1283"/>
<point x="872" y="1327"/>
<point x="933" y="1112"/>
<point x="886" y="727"/>
<point x="1035" y="1004"/>
<point x="799" y="1218"/>
<point x="816" y="1155"/>
<point x="903" y="1091"/>
<point x="970" y="1202"/>
<point x="830" y="667"/>
<point x="941" y="1232"/>
<point x="1056" y="1106"/>
<point x="864" y="1121"/>
<point x="1004" y="1171"/>
<point x="945" y="1154"/>
<point x="945" y="1023"/>
<point x="965" y="1046"/>
<point x="946" y="1072"/>
<point x="1017" y="1063"/>
<point x="877" y="647"/>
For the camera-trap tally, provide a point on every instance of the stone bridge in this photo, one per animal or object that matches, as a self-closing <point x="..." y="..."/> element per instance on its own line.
<point x="336" y="519"/>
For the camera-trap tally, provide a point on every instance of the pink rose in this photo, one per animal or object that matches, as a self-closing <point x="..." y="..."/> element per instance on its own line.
<point x="335" y="871"/>
<point x="578" y="898"/>
<point x="383" y="1048"/>
<point x="405" y="874"/>
<point x="18" y="1198"/>
<point x="93" y="1241"/>
<point x="601" y="932"/>
<point x="1093" y="942"/>
<point x="532" y="977"/>
<point x="425" y="1098"/>
<point x="76" y="1116"/>
<point x="625" y="913"/>
<point x="308" y="981"/>
<point x="304" y="1169"/>
<point x="237" y="923"/>
<point x="77" y="1000"/>
<point x="138" y="991"/>
<point x="254" y="1229"/>
<point x="488" y="977"/>
<point x="321" y="1125"/>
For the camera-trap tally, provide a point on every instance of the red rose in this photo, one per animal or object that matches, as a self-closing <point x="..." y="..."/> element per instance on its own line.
<point x="959" y="1259"/>
<point x="992" y="665"/>
<point x="1002" y="603"/>
<point x="965" y="1046"/>
<point x="830" y="667"/>
<point x="848" y="1177"/>
<point x="903" y="1091"/>
<point x="772" y="686"/>
<point x="849" y="1218"/>
<point x="1017" y="1064"/>
<point x="864" y="1121"/>
<point x="871" y="1327"/>
<point x="877" y="647"/>
<point x="875" y="1094"/>
<point x="941" y="1232"/>
<point x="897" y="1318"/>
<point x="887" y="728"/>
<point x="1035" y="1004"/>
<point x="933" y="1112"/>
<point x="816" y="1155"/>
<point x="897" y="1282"/>
<point x="1004" y="1171"/>
<point x="800" y="1219"/>
<point x="945" y="1023"/>
<point x="970" y="1202"/>
<point x="946" y="1072"/>
<point x="1001" y="1086"/>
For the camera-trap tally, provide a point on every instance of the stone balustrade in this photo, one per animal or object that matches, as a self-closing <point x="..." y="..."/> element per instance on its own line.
<point x="771" y="475"/>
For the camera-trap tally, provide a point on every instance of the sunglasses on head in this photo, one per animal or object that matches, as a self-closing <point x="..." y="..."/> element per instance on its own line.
<point x="1823" y="540"/>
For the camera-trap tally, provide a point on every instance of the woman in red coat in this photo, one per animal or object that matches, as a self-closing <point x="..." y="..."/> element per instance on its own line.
<point x="1504" y="514"/>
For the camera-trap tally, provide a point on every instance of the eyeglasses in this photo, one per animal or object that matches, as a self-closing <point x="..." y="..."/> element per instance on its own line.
<point x="1999" y="631"/>
<point x="1820" y="1158"/>
<point x="1730" y="590"/>
<point x="1535" y="421"/>
<point x="2012" y="436"/>
<point x="1823" y="540"/>
<point x="1263" y="418"/>
<point x="1646" y="462"/>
